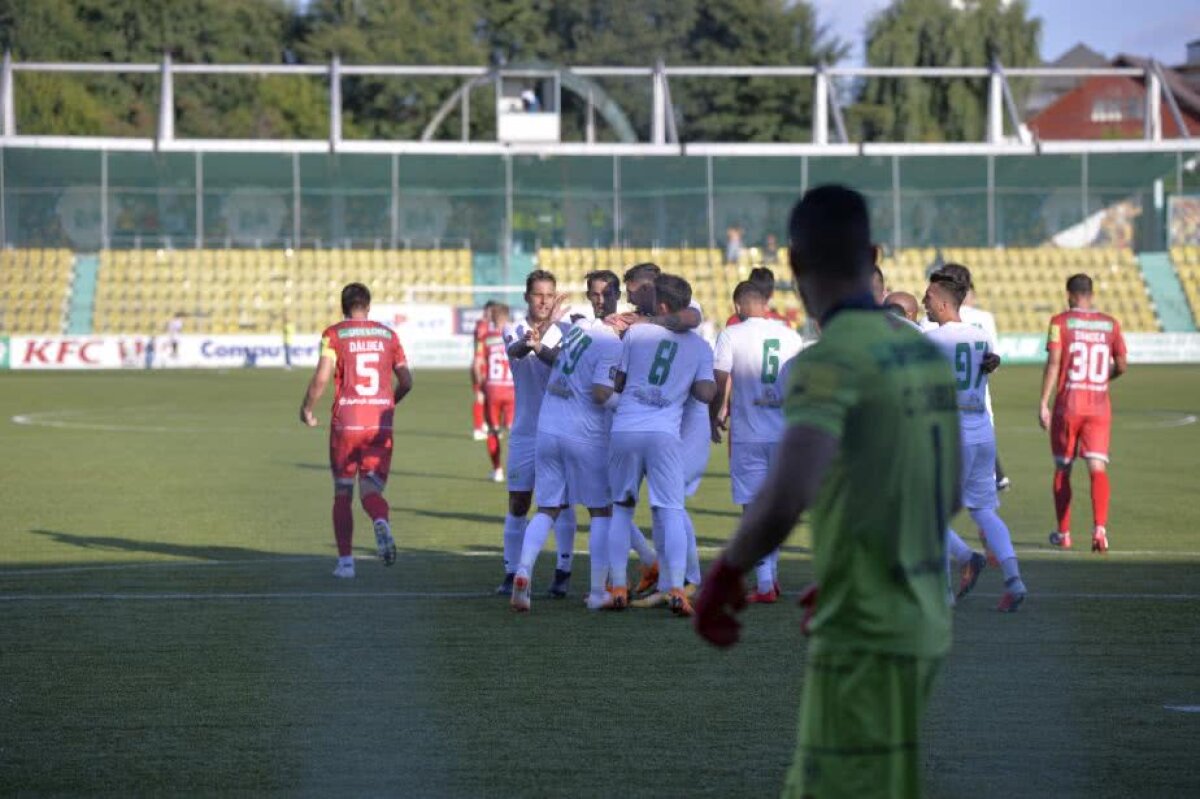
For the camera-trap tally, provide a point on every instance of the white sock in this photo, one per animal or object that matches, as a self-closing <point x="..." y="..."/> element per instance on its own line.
<point x="764" y="575"/>
<point x="514" y="534"/>
<point x="774" y="558"/>
<point x="693" y="555"/>
<point x="345" y="560"/>
<point x="656" y="532"/>
<point x="620" y="530"/>
<point x="646" y="553"/>
<point x="995" y="531"/>
<point x="535" y="538"/>
<point x="674" y="551"/>
<point x="564" y="537"/>
<point x="956" y="548"/>
<point x="598" y="547"/>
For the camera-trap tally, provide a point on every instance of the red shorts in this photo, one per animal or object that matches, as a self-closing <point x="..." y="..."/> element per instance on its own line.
<point x="1080" y="436"/>
<point x="360" y="452"/>
<point x="499" y="406"/>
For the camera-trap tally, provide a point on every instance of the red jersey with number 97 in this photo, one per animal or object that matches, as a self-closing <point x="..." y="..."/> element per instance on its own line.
<point x="1089" y="340"/>
<point x="366" y="354"/>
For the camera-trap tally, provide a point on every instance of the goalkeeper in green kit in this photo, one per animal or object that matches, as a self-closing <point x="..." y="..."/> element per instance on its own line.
<point x="871" y="452"/>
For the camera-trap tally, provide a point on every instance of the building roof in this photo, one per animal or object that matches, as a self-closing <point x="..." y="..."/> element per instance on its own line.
<point x="1187" y="97"/>
<point x="1048" y="89"/>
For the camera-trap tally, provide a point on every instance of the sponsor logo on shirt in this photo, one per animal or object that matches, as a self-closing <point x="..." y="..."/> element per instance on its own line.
<point x="1089" y="324"/>
<point x="364" y="332"/>
<point x="651" y="396"/>
<point x="770" y="399"/>
<point x="560" y="388"/>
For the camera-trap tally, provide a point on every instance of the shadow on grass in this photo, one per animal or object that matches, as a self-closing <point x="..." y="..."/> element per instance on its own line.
<point x="324" y="467"/>
<point x="199" y="552"/>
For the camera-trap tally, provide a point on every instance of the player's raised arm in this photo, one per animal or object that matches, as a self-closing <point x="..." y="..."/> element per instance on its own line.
<point x="318" y="384"/>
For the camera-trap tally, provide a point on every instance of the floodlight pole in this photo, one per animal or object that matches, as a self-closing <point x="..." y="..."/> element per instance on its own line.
<point x="335" y="103"/>
<point x="7" y="103"/>
<point x="166" y="104"/>
<point x="1152" y="126"/>
<point x="995" y="115"/>
<point x="820" y="132"/>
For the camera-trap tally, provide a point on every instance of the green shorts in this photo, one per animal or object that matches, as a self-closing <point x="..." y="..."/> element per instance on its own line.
<point x="859" y="725"/>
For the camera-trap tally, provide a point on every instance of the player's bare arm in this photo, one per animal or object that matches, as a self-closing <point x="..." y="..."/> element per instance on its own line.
<point x="804" y="457"/>
<point x="404" y="383"/>
<point x="1049" y="381"/>
<point x="718" y="408"/>
<point x="1120" y="365"/>
<point x="704" y="391"/>
<point x="316" y="387"/>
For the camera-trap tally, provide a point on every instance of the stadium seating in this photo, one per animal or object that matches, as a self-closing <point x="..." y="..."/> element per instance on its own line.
<point x="35" y="286"/>
<point x="1187" y="264"/>
<point x="1024" y="287"/>
<point x="247" y="291"/>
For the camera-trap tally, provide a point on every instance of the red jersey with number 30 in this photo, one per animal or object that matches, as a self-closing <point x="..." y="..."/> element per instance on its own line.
<point x="366" y="354"/>
<point x="497" y="373"/>
<point x="1089" y="340"/>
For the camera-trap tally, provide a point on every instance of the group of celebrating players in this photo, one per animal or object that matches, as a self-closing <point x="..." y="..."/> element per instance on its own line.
<point x="881" y="430"/>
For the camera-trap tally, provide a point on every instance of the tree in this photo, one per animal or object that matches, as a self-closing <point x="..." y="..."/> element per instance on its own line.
<point x="933" y="33"/>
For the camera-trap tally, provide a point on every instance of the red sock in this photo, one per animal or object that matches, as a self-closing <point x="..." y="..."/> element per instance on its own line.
<point x="493" y="444"/>
<point x="343" y="524"/>
<point x="375" y="506"/>
<point x="1100" y="498"/>
<point x="477" y="415"/>
<point x="1062" y="499"/>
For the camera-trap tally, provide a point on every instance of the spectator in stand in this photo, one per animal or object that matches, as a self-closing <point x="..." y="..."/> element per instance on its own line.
<point x="770" y="253"/>
<point x="733" y="244"/>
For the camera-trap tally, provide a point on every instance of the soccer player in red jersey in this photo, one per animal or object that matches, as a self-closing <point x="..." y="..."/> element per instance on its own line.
<point x="484" y="326"/>
<point x="1086" y="352"/>
<point x="494" y="377"/>
<point x="361" y="357"/>
<point x="764" y="279"/>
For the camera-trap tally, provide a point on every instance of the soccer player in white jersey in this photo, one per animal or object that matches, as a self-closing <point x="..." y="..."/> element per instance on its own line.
<point x="694" y="434"/>
<point x="986" y="322"/>
<point x="530" y="374"/>
<point x="966" y="347"/>
<point x="747" y="361"/>
<point x="658" y="371"/>
<point x="572" y="438"/>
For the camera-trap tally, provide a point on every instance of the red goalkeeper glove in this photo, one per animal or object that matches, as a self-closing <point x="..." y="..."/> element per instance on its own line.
<point x="721" y="596"/>
<point x="808" y="601"/>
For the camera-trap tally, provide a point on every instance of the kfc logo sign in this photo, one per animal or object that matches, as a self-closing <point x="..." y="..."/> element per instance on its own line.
<point x="75" y="352"/>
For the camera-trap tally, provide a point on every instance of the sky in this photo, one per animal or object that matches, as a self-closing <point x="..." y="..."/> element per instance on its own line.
<point x="1157" y="28"/>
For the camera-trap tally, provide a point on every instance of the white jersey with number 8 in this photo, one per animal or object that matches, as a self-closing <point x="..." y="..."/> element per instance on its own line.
<point x="660" y="367"/>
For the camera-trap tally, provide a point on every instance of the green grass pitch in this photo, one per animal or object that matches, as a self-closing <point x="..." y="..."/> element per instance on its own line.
<point x="168" y="622"/>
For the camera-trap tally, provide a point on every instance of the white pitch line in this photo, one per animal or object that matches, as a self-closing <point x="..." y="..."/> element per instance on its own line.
<point x="1183" y="708"/>
<point x="423" y="595"/>
<point x="231" y="596"/>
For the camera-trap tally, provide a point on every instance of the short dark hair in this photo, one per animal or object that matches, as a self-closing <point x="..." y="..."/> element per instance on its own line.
<point x="956" y="288"/>
<point x="643" y="271"/>
<point x="672" y="291"/>
<point x="1079" y="284"/>
<point x="959" y="273"/>
<point x="830" y="230"/>
<point x="764" y="278"/>
<point x="536" y="276"/>
<point x="355" y="295"/>
<point x="607" y="275"/>
<point x="748" y="287"/>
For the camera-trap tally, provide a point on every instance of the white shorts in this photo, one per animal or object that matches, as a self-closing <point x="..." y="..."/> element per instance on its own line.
<point x="655" y="455"/>
<point x="979" y="475"/>
<point x="749" y="462"/>
<point x="521" y="451"/>
<point x="571" y="472"/>
<point x="695" y="458"/>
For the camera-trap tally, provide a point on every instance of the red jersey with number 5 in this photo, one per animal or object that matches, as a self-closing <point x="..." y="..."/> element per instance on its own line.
<point x="366" y="354"/>
<point x="497" y="373"/>
<point x="1089" y="340"/>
